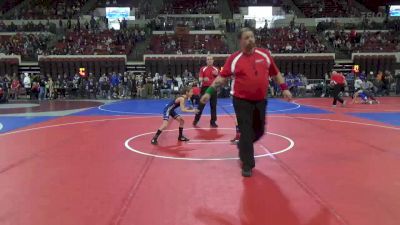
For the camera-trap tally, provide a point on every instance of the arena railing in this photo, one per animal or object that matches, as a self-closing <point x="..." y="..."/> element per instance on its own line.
<point x="226" y="55"/>
<point x="396" y="54"/>
<point x="190" y="15"/>
<point x="193" y="32"/>
<point x="41" y="57"/>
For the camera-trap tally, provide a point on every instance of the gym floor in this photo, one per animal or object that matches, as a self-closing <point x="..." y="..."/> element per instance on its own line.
<point x="91" y="162"/>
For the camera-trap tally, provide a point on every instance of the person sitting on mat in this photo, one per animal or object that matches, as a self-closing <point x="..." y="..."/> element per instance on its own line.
<point x="169" y="112"/>
<point x="363" y="88"/>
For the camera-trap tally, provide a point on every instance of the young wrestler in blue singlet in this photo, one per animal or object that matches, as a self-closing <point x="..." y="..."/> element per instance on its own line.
<point x="169" y="112"/>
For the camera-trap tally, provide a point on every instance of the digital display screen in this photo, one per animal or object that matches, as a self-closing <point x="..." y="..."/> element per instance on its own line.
<point x="261" y="14"/>
<point x="115" y="13"/>
<point x="394" y="10"/>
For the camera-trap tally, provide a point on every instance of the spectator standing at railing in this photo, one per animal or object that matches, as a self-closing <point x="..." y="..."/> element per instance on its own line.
<point x="114" y="84"/>
<point x="124" y="85"/>
<point x="50" y="84"/>
<point x="165" y="89"/>
<point x="148" y="87"/>
<point x="140" y="81"/>
<point x="27" y="85"/>
<point x="15" y="86"/>
<point x="131" y="86"/>
<point x="42" y="88"/>
<point x="103" y="85"/>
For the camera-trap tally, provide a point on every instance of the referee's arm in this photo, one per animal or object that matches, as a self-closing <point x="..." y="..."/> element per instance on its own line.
<point x="218" y="82"/>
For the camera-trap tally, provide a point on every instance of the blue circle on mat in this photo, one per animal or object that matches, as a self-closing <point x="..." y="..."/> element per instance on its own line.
<point x="155" y="107"/>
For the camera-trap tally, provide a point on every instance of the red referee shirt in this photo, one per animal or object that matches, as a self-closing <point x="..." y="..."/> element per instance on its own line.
<point x="207" y="71"/>
<point x="338" y="78"/>
<point x="251" y="73"/>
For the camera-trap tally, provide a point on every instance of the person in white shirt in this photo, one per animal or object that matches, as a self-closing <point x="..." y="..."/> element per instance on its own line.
<point x="27" y="84"/>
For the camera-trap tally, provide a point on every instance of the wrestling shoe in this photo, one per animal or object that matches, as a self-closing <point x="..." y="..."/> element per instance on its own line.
<point x="236" y="139"/>
<point x="246" y="172"/>
<point x="213" y="125"/>
<point x="154" y="141"/>
<point x="183" y="138"/>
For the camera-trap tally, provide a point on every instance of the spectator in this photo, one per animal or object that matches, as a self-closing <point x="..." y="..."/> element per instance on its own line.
<point x="132" y="86"/>
<point x="166" y="89"/>
<point x="51" y="85"/>
<point x="42" y="88"/>
<point x="15" y="86"/>
<point x="148" y="87"/>
<point x="27" y="85"/>
<point x="104" y="86"/>
<point x="115" y="84"/>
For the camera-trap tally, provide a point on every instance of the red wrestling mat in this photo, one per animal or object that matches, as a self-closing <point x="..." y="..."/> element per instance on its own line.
<point x="387" y="104"/>
<point x="336" y="169"/>
<point x="49" y="106"/>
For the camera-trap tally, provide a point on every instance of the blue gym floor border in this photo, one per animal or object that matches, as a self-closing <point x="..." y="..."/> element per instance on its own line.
<point x="390" y="118"/>
<point x="224" y="106"/>
<point x="10" y="123"/>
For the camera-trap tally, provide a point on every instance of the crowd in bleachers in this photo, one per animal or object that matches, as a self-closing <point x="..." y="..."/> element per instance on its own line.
<point x="129" y="85"/>
<point x="96" y="42"/>
<point x="366" y="24"/>
<point x="169" y="23"/>
<point x="364" y="42"/>
<point x="294" y="39"/>
<point x="327" y="8"/>
<point x="7" y="5"/>
<point x="24" y="44"/>
<point x="49" y="9"/>
<point x="188" y="44"/>
<point x="191" y="7"/>
<point x="107" y="86"/>
<point x="27" y="27"/>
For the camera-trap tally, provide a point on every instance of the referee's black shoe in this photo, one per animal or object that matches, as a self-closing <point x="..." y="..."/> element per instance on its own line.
<point x="246" y="172"/>
<point x="213" y="125"/>
<point x="183" y="138"/>
<point x="154" y="141"/>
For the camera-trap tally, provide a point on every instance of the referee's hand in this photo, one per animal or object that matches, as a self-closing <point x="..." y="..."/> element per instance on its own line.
<point x="205" y="98"/>
<point x="287" y="95"/>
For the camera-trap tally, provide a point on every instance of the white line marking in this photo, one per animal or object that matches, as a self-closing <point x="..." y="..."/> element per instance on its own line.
<point x="208" y="143"/>
<point x="145" y="117"/>
<point x="101" y="108"/>
<point x="1" y="126"/>
<point x="339" y="121"/>
<point x="351" y="108"/>
<point x="291" y="145"/>
<point x="67" y="124"/>
<point x="124" y="112"/>
<point x="267" y="151"/>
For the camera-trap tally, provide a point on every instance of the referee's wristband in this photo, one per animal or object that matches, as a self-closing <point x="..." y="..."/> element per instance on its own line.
<point x="210" y="90"/>
<point x="283" y="87"/>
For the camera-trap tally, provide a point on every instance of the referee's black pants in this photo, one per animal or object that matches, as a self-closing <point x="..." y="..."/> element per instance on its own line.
<point x="336" y="90"/>
<point x="251" y="120"/>
<point x="213" y="106"/>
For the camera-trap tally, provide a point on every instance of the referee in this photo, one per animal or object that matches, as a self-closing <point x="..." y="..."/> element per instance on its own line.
<point x="339" y="82"/>
<point x="207" y="76"/>
<point x="250" y="68"/>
